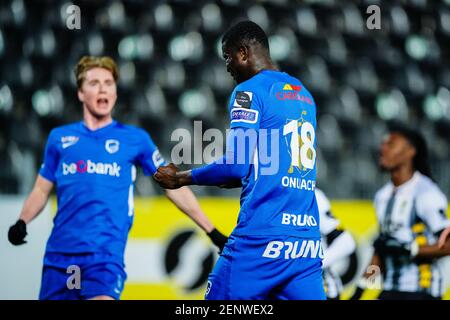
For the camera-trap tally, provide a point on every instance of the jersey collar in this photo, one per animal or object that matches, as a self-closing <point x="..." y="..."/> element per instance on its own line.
<point x="408" y="185"/>
<point x="96" y="132"/>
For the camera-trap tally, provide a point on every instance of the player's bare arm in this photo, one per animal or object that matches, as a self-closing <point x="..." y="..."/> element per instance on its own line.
<point x="435" y="250"/>
<point x="37" y="199"/>
<point x="174" y="181"/>
<point x="184" y="199"/>
<point x="443" y="238"/>
<point x="34" y="204"/>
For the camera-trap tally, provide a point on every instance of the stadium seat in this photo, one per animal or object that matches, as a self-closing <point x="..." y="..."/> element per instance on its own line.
<point x="169" y="54"/>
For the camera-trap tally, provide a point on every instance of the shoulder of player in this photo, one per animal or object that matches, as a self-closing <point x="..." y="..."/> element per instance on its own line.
<point x="256" y="90"/>
<point x="131" y="129"/>
<point x="428" y="190"/>
<point x="264" y="84"/>
<point x="384" y="191"/>
<point x="257" y="85"/>
<point x="64" y="130"/>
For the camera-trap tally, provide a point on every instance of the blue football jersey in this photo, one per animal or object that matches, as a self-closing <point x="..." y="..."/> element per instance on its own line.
<point x="278" y="193"/>
<point x="94" y="172"/>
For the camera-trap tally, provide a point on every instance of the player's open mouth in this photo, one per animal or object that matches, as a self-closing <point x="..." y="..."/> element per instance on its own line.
<point x="102" y="102"/>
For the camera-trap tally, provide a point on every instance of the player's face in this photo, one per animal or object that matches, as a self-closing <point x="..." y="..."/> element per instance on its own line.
<point x="395" y="151"/>
<point x="235" y="63"/>
<point x="98" y="93"/>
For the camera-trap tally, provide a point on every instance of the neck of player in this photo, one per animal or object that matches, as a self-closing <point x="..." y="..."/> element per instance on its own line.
<point x="263" y="64"/>
<point x="260" y="60"/>
<point x="402" y="174"/>
<point x="94" y="122"/>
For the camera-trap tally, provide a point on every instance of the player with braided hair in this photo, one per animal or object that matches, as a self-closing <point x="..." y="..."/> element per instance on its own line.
<point x="411" y="215"/>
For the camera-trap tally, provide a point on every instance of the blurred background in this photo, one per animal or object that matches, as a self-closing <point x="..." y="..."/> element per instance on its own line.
<point x="172" y="73"/>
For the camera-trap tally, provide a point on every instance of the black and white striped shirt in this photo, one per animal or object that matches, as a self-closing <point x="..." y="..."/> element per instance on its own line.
<point x="337" y="244"/>
<point x="414" y="211"/>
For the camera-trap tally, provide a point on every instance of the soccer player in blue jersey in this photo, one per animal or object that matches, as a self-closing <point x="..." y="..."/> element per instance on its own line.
<point x="274" y="252"/>
<point x="93" y="163"/>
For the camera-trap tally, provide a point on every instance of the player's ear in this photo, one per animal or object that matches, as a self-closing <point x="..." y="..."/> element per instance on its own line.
<point x="80" y="94"/>
<point x="413" y="152"/>
<point x="243" y="53"/>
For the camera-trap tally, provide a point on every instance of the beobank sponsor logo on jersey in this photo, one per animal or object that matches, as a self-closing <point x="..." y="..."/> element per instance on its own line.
<point x="81" y="166"/>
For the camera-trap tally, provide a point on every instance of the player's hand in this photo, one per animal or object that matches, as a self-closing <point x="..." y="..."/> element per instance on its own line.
<point x="390" y="246"/>
<point x="443" y="237"/>
<point x="17" y="233"/>
<point x="218" y="239"/>
<point x="166" y="176"/>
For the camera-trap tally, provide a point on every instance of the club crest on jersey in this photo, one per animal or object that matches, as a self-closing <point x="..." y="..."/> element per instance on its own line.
<point x="243" y="99"/>
<point x="112" y="146"/>
<point x="68" y="141"/>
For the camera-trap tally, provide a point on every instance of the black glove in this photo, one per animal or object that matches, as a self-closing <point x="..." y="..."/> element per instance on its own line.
<point x="389" y="246"/>
<point x="218" y="239"/>
<point x="357" y="294"/>
<point x="17" y="233"/>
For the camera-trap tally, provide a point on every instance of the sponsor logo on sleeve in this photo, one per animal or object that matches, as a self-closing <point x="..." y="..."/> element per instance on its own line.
<point x="244" y="115"/>
<point x="243" y="99"/>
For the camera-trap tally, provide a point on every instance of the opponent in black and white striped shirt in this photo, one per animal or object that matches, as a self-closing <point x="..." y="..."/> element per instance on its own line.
<point x="411" y="212"/>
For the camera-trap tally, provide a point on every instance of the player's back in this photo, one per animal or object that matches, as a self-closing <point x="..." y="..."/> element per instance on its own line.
<point x="278" y="193"/>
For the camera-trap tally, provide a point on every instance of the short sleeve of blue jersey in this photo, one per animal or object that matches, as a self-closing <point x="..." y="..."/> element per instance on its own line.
<point x="245" y="107"/>
<point x="51" y="158"/>
<point x="149" y="157"/>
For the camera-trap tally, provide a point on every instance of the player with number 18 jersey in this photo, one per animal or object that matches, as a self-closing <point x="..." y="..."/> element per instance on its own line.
<point x="277" y="237"/>
<point x="274" y="252"/>
<point x="278" y="195"/>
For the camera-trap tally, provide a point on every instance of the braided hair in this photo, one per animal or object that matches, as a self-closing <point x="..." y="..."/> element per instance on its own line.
<point x="416" y="139"/>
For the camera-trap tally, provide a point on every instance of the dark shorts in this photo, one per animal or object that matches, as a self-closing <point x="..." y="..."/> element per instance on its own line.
<point x="81" y="276"/>
<point x="265" y="268"/>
